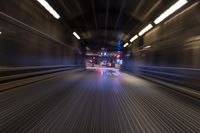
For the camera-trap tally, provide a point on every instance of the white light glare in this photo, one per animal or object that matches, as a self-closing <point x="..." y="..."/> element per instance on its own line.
<point x="46" y="5"/>
<point x="0" y="32"/>
<point x="147" y="28"/>
<point x="76" y="35"/>
<point x="147" y="47"/>
<point x="125" y="45"/>
<point x="134" y="38"/>
<point x="170" y="11"/>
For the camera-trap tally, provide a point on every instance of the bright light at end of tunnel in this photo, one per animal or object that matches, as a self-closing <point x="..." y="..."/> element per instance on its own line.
<point x="46" y="5"/>
<point x="125" y="45"/>
<point x="146" y="29"/>
<point x="76" y="35"/>
<point x="170" y="11"/>
<point x="134" y="38"/>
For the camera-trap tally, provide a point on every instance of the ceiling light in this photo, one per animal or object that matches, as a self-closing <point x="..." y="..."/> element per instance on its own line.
<point x="125" y="45"/>
<point x="170" y="11"/>
<point x="147" y="28"/>
<point x="147" y="47"/>
<point x="134" y="38"/>
<point x="76" y="35"/>
<point x="46" y="5"/>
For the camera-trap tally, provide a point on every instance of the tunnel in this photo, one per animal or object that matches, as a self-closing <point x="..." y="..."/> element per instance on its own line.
<point x="100" y="66"/>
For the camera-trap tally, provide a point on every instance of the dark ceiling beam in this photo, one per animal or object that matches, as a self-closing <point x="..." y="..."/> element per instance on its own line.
<point x="82" y="16"/>
<point x="99" y="34"/>
<point x="120" y="13"/>
<point x="107" y="15"/>
<point x="66" y="15"/>
<point x="152" y="9"/>
<point x="125" y="17"/>
<point x="94" y="13"/>
<point x="138" y="8"/>
<point x="66" y="9"/>
<point x="81" y="12"/>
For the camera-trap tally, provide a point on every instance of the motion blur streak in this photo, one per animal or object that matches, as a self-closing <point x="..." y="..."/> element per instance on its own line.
<point x="104" y="102"/>
<point x="126" y="44"/>
<point x="99" y="66"/>
<point x="76" y="35"/>
<point x="146" y="29"/>
<point x="171" y="10"/>
<point x="46" y="5"/>
<point x="134" y="38"/>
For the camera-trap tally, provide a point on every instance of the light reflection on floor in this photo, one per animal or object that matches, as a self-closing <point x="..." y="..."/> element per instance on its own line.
<point x="104" y="68"/>
<point x="108" y="71"/>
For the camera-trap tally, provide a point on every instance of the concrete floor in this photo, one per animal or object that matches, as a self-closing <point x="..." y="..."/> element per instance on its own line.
<point x="97" y="101"/>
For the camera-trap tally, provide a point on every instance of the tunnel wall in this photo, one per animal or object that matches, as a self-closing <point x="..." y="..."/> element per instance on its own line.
<point x="32" y="37"/>
<point x="174" y="55"/>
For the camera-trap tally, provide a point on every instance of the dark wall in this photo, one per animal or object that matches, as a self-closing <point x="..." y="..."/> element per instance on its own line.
<point x="31" y="36"/>
<point x="176" y="42"/>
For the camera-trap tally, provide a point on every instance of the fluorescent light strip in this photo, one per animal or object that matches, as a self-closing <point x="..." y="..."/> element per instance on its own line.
<point x="134" y="38"/>
<point x="147" y="47"/>
<point x="76" y="35"/>
<point x="125" y="45"/>
<point x="46" y="5"/>
<point x="146" y="29"/>
<point x="170" y="11"/>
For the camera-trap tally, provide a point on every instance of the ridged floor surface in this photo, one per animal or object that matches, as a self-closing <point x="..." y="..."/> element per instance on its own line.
<point x="97" y="101"/>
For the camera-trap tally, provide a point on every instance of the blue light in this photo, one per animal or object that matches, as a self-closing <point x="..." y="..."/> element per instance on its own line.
<point x="121" y="62"/>
<point x="128" y="55"/>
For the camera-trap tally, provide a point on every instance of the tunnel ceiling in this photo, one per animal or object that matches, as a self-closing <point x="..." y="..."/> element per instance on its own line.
<point x="102" y="23"/>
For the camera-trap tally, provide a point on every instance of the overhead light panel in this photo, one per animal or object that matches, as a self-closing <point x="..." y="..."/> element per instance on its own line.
<point x="134" y="38"/>
<point x="76" y="35"/>
<point x="125" y="45"/>
<point x="46" y="5"/>
<point x="146" y="29"/>
<point x="147" y="47"/>
<point x="170" y="11"/>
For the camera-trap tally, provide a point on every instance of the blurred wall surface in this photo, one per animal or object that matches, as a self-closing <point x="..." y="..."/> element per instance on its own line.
<point x="30" y="36"/>
<point x="171" y="50"/>
<point x="176" y="42"/>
